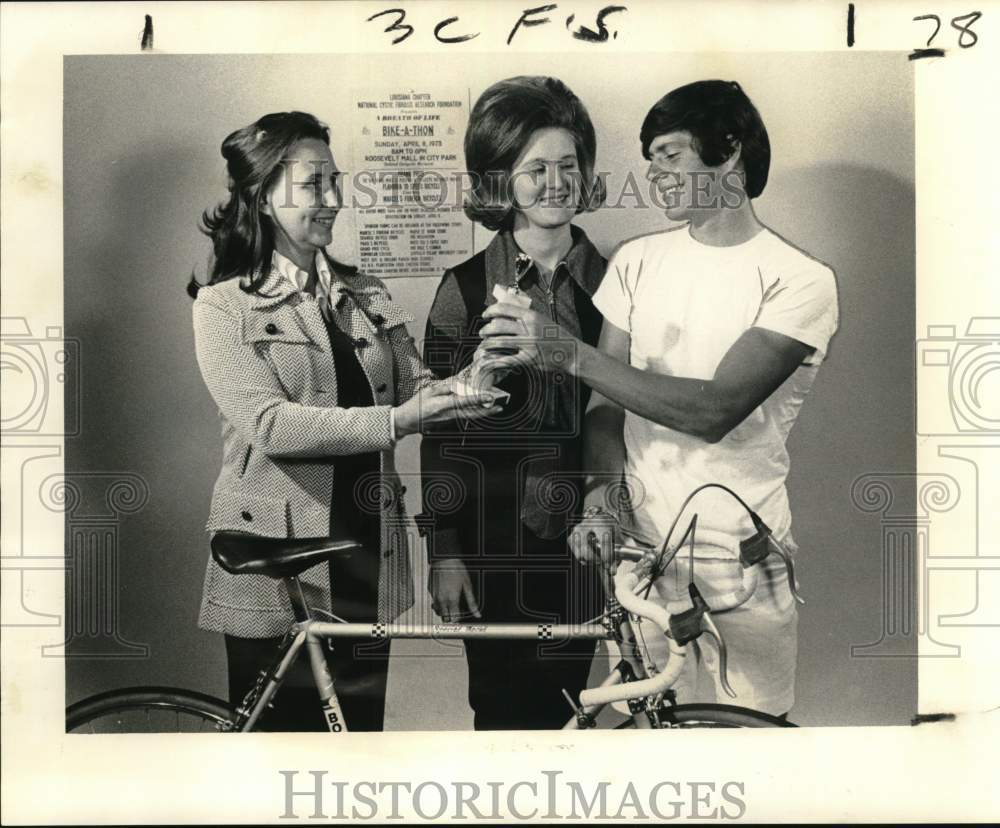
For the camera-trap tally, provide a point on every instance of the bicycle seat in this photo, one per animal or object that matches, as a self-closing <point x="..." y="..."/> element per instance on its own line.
<point x="240" y="553"/>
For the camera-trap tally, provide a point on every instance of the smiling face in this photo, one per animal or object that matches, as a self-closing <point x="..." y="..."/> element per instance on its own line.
<point x="303" y="203"/>
<point x="687" y="188"/>
<point x="545" y="179"/>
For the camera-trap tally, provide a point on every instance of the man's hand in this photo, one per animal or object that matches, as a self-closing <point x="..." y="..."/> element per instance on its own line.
<point x="451" y="587"/>
<point x="592" y="540"/>
<point x="535" y="337"/>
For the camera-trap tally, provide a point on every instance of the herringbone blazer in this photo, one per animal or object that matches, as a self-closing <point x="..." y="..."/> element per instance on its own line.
<point x="267" y="362"/>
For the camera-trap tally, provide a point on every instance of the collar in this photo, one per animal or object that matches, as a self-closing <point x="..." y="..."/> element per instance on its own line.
<point x="286" y="279"/>
<point x="505" y="261"/>
<point x="298" y="278"/>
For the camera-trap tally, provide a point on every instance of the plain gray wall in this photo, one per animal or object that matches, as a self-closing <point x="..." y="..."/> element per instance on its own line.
<point x="141" y="155"/>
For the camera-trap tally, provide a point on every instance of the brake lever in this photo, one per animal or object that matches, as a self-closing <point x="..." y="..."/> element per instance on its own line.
<point x="757" y="547"/>
<point x="782" y="553"/>
<point x="688" y="625"/>
<point x="708" y="626"/>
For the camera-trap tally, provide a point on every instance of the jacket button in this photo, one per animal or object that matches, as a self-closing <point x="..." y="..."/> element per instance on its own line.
<point x="361" y="342"/>
<point x="271" y="328"/>
<point x="246" y="515"/>
<point x="381" y="388"/>
<point x="402" y="489"/>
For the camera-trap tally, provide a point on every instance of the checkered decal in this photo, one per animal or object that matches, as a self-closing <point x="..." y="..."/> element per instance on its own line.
<point x="378" y="630"/>
<point x="267" y="363"/>
<point x="544" y="632"/>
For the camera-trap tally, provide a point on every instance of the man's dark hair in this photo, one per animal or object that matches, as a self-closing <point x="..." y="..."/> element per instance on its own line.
<point x="719" y="115"/>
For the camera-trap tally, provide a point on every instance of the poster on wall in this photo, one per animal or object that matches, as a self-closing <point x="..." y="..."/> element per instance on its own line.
<point x="408" y="179"/>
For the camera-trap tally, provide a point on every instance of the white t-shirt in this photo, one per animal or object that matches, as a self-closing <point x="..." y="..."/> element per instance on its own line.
<point x="684" y="304"/>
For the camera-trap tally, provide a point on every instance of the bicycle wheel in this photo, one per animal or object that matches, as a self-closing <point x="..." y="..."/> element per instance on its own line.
<point x="148" y="710"/>
<point x="713" y="715"/>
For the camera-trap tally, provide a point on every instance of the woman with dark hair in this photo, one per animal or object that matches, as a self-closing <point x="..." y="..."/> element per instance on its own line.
<point x="501" y="555"/>
<point x="316" y="378"/>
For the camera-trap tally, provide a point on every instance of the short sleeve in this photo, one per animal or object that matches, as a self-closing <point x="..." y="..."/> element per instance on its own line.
<point x="802" y="305"/>
<point x="613" y="297"/>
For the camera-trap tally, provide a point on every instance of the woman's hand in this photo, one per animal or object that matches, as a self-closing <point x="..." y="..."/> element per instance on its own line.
<point x="450" y="586"/>
<point x="533" y="336"/>
<point x="438" y="403"/>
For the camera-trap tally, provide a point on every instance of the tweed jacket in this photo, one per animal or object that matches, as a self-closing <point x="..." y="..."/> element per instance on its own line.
<point x="267" y="362"/>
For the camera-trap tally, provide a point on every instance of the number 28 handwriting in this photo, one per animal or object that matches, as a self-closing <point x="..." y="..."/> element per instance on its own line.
<point x="529" y="18"/>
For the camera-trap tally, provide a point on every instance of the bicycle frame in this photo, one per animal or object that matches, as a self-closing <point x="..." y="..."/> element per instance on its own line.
<point x="311" y="633"/>
<point x="647" y="687"/>
<point x="616" y="625"/>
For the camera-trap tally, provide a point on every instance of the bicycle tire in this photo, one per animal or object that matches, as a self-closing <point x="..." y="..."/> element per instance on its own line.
<point x="149" y="710"/>
<point x="713" y="715"/>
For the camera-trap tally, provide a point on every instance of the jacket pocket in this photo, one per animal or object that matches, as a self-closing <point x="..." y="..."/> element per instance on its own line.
<point x="383" y="311"/>
<point x="241" y="511"/>
<point x="246" y="460"/>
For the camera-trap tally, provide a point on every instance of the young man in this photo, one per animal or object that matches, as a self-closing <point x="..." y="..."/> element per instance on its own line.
<point x="714" y="332"/>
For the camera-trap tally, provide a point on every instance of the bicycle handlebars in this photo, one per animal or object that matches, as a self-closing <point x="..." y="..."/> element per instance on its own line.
<point x="681" y="628"/>
<point x="625" y="591"/>
<point x="752" y="552"/>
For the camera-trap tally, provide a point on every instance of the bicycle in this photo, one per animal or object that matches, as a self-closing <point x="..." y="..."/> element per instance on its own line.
<point x="635" y="679"/>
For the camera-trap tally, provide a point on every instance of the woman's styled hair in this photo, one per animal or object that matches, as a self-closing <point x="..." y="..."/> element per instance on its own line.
<point x="501" y="125"/>
<point x="718" y="114"/>
<point x="242" y="240"/>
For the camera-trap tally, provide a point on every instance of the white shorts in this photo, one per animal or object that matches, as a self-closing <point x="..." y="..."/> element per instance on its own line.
<point x="761" y="636"/>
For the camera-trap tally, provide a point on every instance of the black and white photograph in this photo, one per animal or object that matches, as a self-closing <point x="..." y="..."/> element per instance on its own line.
<point x="493" y="374"/>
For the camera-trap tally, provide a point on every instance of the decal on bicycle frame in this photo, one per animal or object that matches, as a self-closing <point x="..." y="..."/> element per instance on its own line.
<point x="334" y="716"/>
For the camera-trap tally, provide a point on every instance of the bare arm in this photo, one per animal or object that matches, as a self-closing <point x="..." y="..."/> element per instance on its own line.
<point x="751" y="370"/>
